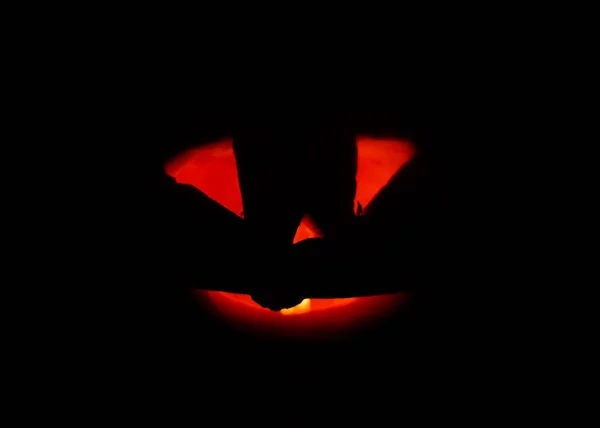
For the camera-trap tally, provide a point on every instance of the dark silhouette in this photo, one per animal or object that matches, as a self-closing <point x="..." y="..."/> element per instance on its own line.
<point x="289" y="169"/>
<point x="295" y="172"/>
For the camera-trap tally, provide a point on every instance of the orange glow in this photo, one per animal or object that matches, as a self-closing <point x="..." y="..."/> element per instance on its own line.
<point x="312" y="317"/>
<point x="302" y="308"/>
<point x="212" y="169"/>
<point x="307" y="229"/>
<point x="378" y="160"/>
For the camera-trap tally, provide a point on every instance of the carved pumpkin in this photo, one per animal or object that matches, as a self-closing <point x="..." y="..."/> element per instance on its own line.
<point x="212" y="169"/>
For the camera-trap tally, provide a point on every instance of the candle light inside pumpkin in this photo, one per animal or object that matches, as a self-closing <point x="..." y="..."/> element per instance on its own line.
<point x="212" y="169"/>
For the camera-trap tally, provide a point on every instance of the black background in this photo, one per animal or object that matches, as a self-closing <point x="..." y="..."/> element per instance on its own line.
<point x="159" y="344"/>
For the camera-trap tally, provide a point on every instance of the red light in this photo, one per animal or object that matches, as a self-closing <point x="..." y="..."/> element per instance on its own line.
<point x="212" y="170"/>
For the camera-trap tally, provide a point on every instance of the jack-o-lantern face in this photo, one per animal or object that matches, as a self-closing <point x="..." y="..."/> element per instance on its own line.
<point x="212" y="169"/>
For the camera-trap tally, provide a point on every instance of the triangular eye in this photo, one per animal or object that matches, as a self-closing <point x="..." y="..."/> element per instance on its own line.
<point x="212" y="170"/>
<point x="378" y="161"/>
